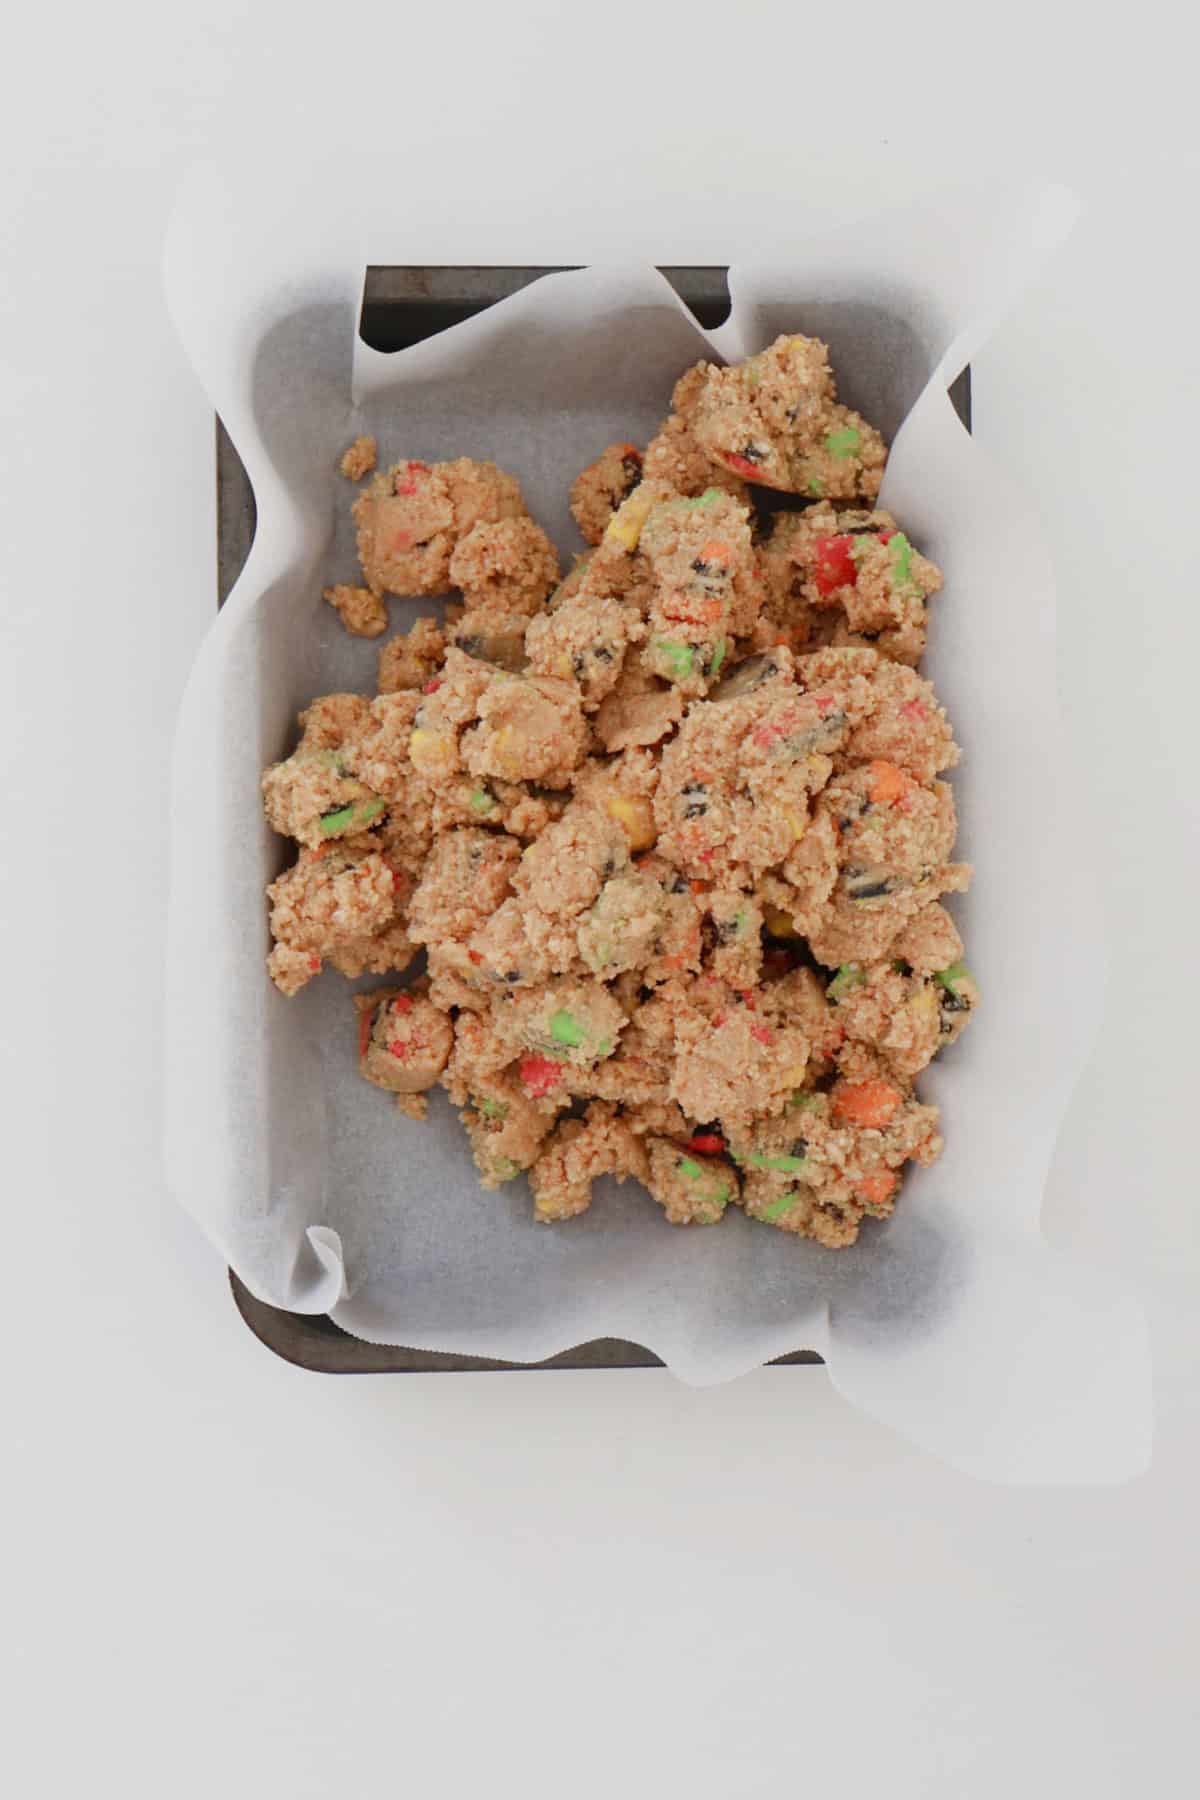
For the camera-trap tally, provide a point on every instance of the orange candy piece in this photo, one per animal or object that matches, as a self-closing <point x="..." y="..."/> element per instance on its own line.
<point x="889" y="784"/>
<point x="877" y="1189"/>
<point x="871" y="1104"/>
<point x="716" y="550"/>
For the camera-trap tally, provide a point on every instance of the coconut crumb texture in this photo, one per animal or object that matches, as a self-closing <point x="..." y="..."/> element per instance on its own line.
<point x="672" y="830"/>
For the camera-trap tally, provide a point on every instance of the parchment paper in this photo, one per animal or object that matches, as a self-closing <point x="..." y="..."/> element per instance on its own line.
<point x="955" y="1323"/>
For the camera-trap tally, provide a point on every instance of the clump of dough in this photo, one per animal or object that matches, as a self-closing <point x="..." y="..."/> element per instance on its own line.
<point x="671" y="830"/>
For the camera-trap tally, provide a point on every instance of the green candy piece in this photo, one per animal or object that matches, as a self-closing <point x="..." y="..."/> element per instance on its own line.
<point x="948" y="977"/>
<point x="815" y="487"/>
<point x="739" y="919"/>
<point x="492" y="1109"/>
<point x="504" y="1168"/>
<point x="680" y="657"/>
<point x="777" y="1208"/>
<point x="805" y="1099"/>
<point x="848" y="977"/>
<point x="718" y="656"/>
<point x="842" y="444"/>
<point x="359" y="812"/>
<point x="566" y="1030"/>
<point x="718" y="1201"/>
<point x="902" y="552"/>
<point x="480" y="801"/>
<point x="781" y="1165"/>
<point x="604" y="1047"/>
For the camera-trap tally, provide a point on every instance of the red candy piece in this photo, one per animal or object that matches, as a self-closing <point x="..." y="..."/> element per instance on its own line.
<point x="741" y="465"/>
<point x="540" y="1074"/>
<point x="408" y="485"/>
<point x="365" y="1019"/>
<point x="834" y="564"/>
<point x="398" y="1050"/>
<point x="706" y="1143"/>
<point x="432" y="685"/>
<point x="776" y="729"/>
<point x="402" y="1003"/>
<point x="760" y="1034"/>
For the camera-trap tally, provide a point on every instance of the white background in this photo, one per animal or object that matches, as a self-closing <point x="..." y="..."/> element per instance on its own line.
<point x="230" y="1576"/>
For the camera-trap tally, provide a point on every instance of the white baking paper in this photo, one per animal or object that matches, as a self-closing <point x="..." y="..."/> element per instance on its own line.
<point x="955" y="1323"/>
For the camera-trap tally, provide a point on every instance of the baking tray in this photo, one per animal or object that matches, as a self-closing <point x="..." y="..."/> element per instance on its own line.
<point x="401" y="306"/>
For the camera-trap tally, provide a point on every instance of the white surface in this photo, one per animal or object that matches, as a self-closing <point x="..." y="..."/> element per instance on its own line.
<point x="616" y="1586"/>
<point x="959" y="1328"/>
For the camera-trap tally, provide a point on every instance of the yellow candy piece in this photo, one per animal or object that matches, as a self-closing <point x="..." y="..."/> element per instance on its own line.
<point x="779" y="923"/>
<point x="504" y="752"/>
<point x="798" y="825"/>
<point x="430" y="751"/>
<point x="794" y="1077"/>
<point x="924" y="1001"/>
<point x="625" y="526"/>
<point x="637" y="816"/>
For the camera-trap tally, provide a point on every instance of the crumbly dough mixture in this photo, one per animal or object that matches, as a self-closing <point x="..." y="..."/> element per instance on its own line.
<point x="670" y="828"/>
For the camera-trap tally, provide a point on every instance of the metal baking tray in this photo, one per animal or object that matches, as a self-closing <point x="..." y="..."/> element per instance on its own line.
<point x="401" y="306"/>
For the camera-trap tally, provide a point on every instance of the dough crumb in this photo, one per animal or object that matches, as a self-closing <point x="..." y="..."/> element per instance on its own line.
<point x="361" y="612"/>
<point x="358" y="459"/>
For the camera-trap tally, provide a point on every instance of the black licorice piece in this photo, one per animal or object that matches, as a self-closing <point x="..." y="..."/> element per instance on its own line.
<point x="695" y="803"/>
<point x="867" y="883"/>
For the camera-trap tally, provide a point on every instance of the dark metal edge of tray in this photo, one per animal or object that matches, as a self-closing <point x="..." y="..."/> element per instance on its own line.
<point x="314" y="1342"/>
<point x="402" y="306"/>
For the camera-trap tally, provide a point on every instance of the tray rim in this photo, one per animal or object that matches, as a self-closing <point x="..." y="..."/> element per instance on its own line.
<point x="313" y="1342"/>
